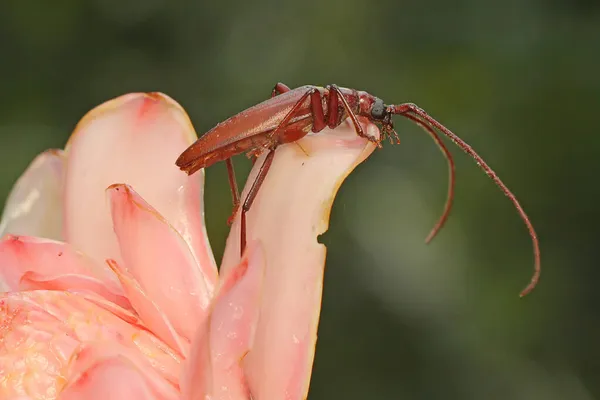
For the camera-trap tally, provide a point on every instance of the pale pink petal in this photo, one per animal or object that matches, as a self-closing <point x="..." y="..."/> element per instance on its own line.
<point x="42" y="330"/>
<point x="197" y="377"/>
<point x="229" y="335"/>
<point x="102" y="371"/>
<point x="134" y="139"/>
<point x="160" y="261"/>
<point x="152" y="315"/>
<point x="47" y="260"/>
<point x="291" y="210"/>
<point x="71" y="283"/>
<point x="111" y="379"/>
<point x="234" y="322"/>
<point x="162" y="357"/>
<point x="34" y="206"/>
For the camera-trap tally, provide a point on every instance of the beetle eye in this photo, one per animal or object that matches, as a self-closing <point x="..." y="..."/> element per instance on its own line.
<point x="378" y="109"/>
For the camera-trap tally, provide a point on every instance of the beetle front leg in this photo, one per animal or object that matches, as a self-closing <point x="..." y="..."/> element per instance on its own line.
<point x="335" y="94"/>
<point x="252" y="193"/>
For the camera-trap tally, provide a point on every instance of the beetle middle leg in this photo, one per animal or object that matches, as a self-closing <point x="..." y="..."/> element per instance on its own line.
<point x="252" y="193"/>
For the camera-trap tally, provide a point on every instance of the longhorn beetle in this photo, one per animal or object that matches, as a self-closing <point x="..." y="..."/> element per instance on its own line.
<point x="290" y="114"/>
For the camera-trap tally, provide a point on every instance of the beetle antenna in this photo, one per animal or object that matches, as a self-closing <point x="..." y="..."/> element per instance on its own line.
<point x="451" y="175"/>
<point x="409" y="109"/>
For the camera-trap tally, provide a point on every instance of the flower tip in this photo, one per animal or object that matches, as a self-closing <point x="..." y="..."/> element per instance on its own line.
<point x="14" y="242"/>
<point x="159" y="97"/>
<point x="11" y="238"/>
<point x="45" y="156"/>
<point x="121" y="192"/>
<point x="151" y="102"/>
<point x="119" y="187"/>
<point x="114" y="267"/>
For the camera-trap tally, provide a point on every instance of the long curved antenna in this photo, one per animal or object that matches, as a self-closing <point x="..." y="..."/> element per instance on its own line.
<point x="410" y="108"/>
<point x="451" y="176"/>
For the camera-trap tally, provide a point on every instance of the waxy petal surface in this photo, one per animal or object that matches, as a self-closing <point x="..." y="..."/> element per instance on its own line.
<point x="104" y="371"/>
<point x="28" y="262"/>
<point x="214" y="368"/>
<point x="113" y="379"/>
<point x="34" y="206"/>
<point x="41" y="331"/>
<point x="134" y="139"/>
<point x="74" y="284"/>
<point x="152" y="315"/>
<point x="197" y="378"/>
<point x="160" y="260"/>
<point x="291" y="210"/>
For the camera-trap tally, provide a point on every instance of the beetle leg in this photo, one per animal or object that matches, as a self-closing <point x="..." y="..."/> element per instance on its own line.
<point x="260" y="178"/>
<point x="316" y="108"/>
<point x="235" y="194"/>
<point x="333" y="108"/>
<point x="279" y="89"/>
<point x="359" y="130"/>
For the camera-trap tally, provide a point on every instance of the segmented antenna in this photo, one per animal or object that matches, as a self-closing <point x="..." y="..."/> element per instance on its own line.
<point x="410" y="110"/>
<point x="451" y="176"/>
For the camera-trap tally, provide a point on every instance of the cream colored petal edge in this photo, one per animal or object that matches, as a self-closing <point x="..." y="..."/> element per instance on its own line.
<point x="34" y="205"/>
<point x="291" y="210"/>
<point x="133" y="139"/>
<point x="164" y="265"/>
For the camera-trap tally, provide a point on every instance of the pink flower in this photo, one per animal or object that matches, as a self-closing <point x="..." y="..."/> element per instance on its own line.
<point x="110" y="288"/>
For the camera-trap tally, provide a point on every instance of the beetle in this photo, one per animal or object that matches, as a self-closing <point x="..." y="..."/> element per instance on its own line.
<point x="291" y="114"/>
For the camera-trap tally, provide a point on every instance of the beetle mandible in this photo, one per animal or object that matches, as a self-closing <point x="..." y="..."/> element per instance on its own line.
<point x="291" y="114"/>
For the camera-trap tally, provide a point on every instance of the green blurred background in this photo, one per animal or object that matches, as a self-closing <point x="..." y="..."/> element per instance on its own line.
<point x="518" y="80"/>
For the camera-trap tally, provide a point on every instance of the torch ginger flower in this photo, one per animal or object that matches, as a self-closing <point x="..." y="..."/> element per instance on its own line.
<point x="109" y="289"/>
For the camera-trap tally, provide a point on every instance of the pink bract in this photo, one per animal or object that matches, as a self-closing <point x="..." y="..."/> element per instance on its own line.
<point x="109" y="285"/>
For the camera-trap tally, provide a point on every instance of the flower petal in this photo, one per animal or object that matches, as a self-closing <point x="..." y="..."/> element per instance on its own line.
<point x="152" y="315"/>
<point x="134" y="139"/>
<point x="197" y="378"/>
<point x="44" y="260"/>
<point x="290" y="211"/>
<point x="71" y="283"/>
<point x="34" y="206"/>
<point x="42" y="330"/>
<point x="214" y="366"/>
<point x="113" y="379"/>
<point x="160" y="260"/>
<point x="101" y="371"/>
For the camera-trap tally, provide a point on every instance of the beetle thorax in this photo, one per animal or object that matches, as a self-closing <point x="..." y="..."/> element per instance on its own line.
<point x="365" y="103"/>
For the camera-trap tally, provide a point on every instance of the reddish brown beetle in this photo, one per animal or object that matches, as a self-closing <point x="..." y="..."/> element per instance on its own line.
<point x="292" y="114"/>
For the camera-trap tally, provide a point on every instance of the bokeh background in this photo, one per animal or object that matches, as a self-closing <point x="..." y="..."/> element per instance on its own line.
<point x="518" y="80"/>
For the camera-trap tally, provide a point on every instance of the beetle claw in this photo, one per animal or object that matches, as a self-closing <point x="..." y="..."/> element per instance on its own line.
<point x="233" y="214"/>
<point x="374" y="140"/>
